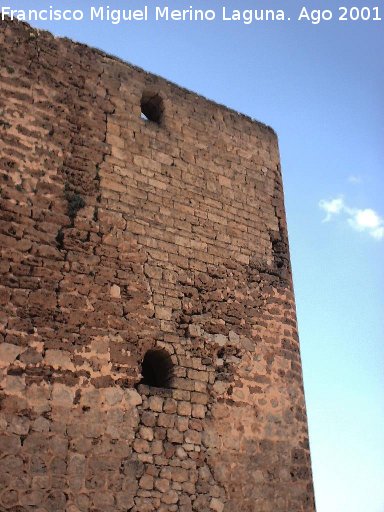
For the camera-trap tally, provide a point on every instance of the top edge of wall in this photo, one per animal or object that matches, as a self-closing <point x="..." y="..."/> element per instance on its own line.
<point x="38" y="32"/>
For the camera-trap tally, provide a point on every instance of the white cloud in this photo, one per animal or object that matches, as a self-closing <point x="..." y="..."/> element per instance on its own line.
<point x="359" y="219"/>
<point x="378" y="233"/>
<point x="332" y="207"/>
<point x="367" y="220"/>
<point x="355" y="180"/>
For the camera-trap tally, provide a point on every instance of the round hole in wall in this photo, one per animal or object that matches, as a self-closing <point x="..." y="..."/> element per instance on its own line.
<point x="157" y="369"/>
<point x="152" y="107"/>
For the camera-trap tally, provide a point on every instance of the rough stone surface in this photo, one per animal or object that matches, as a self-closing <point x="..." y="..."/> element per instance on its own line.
<point x="119" y="235"/>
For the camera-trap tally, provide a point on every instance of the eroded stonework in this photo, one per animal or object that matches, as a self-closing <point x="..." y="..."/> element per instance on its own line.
<point x="120" y="235"/>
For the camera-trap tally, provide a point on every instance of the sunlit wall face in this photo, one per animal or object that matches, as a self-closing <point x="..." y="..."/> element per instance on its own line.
<point x="320" y="86"/>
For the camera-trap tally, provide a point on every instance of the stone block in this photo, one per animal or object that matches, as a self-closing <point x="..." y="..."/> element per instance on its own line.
<point x="156" y="403"/>
<point x="216" y="505"/>
<point x="162" y="485"/>
<point x="146" y="482"/>
<point x="170" y="497"/>
<point x="174" y="436"/>
<point x="198" y="411"/>
<point x="141" y="446"/>
<point x="192" y="437"/>
<point x="184" y="408"/>
<point x="8" y="353"/>
<point x="166" y="420"/>
<point x="58" y="359"/>
<point x="170" y="406"/>
<point x="146" y="433"/>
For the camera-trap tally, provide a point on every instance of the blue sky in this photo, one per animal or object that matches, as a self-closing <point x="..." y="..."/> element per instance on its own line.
<point x="321" y="88"/>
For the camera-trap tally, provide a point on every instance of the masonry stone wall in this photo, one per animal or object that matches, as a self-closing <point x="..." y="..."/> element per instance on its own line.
<point x="120" y="235"/>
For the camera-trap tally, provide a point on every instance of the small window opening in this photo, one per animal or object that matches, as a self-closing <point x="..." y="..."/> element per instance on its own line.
<point x="152" y="107"/>
<point x="157" y="369"/>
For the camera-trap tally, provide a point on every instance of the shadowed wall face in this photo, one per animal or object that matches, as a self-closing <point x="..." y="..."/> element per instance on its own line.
<point x="139" y="219"/>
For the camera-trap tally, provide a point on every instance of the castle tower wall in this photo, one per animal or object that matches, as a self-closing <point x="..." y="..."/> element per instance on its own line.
<point x="122" y="235"/>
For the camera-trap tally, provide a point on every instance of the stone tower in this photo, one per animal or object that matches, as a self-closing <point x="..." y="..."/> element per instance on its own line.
<point x="149" y="356"/>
